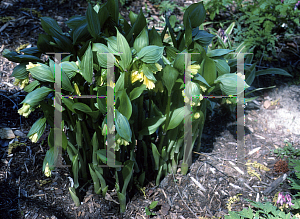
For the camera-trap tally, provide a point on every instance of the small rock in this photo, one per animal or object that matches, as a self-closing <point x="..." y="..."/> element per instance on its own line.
<point x="6" y="133"/>
<point x="19" y="133"/>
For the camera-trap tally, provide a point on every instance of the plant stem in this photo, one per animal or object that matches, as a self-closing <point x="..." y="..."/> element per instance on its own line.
<point x="166" y="124"/>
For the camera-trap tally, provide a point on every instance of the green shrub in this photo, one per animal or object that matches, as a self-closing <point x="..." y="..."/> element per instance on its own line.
<point x="150" y="94"/>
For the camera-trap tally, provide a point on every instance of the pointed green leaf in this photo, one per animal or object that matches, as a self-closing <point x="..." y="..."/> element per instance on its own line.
<point x="122" y="126"/>
<point x="209" y="71"/>
<point x="42" y="73"/>
<point x="20" y="71"/>
<point x="142" y="40"/>
<point x="222" y="67"/>
<point x="156" y="156"/>
<point x="196" y="13"/>
<point x="218" y="52"/>
<point x="86" y="65"/>
<point x="150" y="54"/>
<point x="176" y="118"/>
<point x="232" y="84"/>
<point x="125" y="104"/>
<point x="151" y="125"/>
<point x="30" y="87"/>
<point x="74" y="196"/>
<point x="276" y="71"/>
<point x="136" y="92"/>
<point x="106" y="155"/>
<point x="170" y="75"/>
<point x="36" y="96"/>
<point x="93" y="21"/>
<point x="124" y="49"/>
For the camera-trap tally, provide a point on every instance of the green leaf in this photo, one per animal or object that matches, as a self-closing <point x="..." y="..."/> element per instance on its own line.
<point x="16" y="57"/>
<point x="196" y="13"/>
<point x="20" y="71"/>
<point x="142" y="40"/>
<point x="137" y="27"/>
<point x="250" y="74"/>
<point x="188" y="32"/>
<point x="156" y="156"/>
<point x="176" y="118"/>
<point x="38" y="127"/>
<point x="81" y="33"/>
<point x="65" y="82"/>
<point x="136" y="92"/>
<point x="69" y="104"/>
<point x="125" y="107"/>
<point x="147" y="72"/>
<point x="151" y="125"/>
<point x="36" y="96"/>
<point x="153" y="204"/>
<point x="102" y="58"/>
<point x="42" y="73"/>
<point x="112" y="45"/>
<point x="70" y="68"/>
<point x="74" y="196"/>
<point x="93" y="21"/>
<point x="209" y="71"/>
<point x="127" y="172"/>
<point x="218" y="52"/>
<point x="30" y="87"/>
<point x="231" y="84"/>
<point x="43" y="43"/>
<point x="169" y="78"/>
<point x="124" y="49"/>
<point x="112" y="7"/>
<point x="95" y="178"/>
<point x="200" y="78"/>
<point x="122" y="200"/>
<point x="150" y="54"/>
<point x="155" y="38"/>
<point x="203" y="38"/>
<point x="49" y="159"/>
<point x="50" y="26"/>
<point x="132" y="17"/>
<point x="122" y="126"/>
<point x="106" y="155"/>
<point x="86" y="65"/>
<point x="222" y="67"/>
<point x="74" y="21"/>
<point x="277" y="71"/>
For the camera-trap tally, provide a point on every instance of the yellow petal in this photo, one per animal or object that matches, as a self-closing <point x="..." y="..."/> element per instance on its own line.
<point x="197" y="115"/>
<point x="158" y="66"/>
<point x="34" y="138"/>
<point x="149" y="83"/>
<point x="136" y="76"/>
<point x="30" y="65"/>
<point x="47" y="171"/>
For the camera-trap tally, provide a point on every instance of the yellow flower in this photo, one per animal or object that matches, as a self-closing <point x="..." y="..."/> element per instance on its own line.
<point x="34" y="138"/>
<point x="21" y="82"/>
<point x="30" y="65"/>
<point x="77" y="91"/>
<point x="136" y="76"/>
<point x="25" y="110"/>
<point x="203" y="88"/>
<point x="197" y="115"/>
<point x="194" y="69"/>
<point x="149" y="83"/>
<point x="158" y="66"/>
<point x="47" y="171"/>
<point x="241" y="76"/>
<point x="16" y="82"/>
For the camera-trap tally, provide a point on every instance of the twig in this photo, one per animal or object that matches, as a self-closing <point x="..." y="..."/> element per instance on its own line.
<point x="182" y="197"/>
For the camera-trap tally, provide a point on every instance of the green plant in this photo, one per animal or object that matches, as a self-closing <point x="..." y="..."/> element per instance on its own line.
<point x="215" y="6"/>
<point x="263" y="210"/>
<point x="167" y="6"/>
<point x="259" y="22"/>
<point x="150" y="93"/>
<point x="151" y="207"/>
<point x="288" y="151"/>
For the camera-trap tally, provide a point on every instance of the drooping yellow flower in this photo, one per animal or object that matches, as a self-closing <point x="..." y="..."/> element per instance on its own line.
<point x="197" y="115"/>
<point x="25" y="110"/>
<point x="149" y="83"/>
<point x="31" y="65"/>
<point x="194" y="69"/>
<point x="76" y="88"/>
<point x="241" y="76"/>
<point x="21" y="82"/>
<point x="47" y="171"/>
<point x="136" y="76"/>
<point x="158" y="66"/>
<point x="203" y="88"/>
<point x="34" y="138"/>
